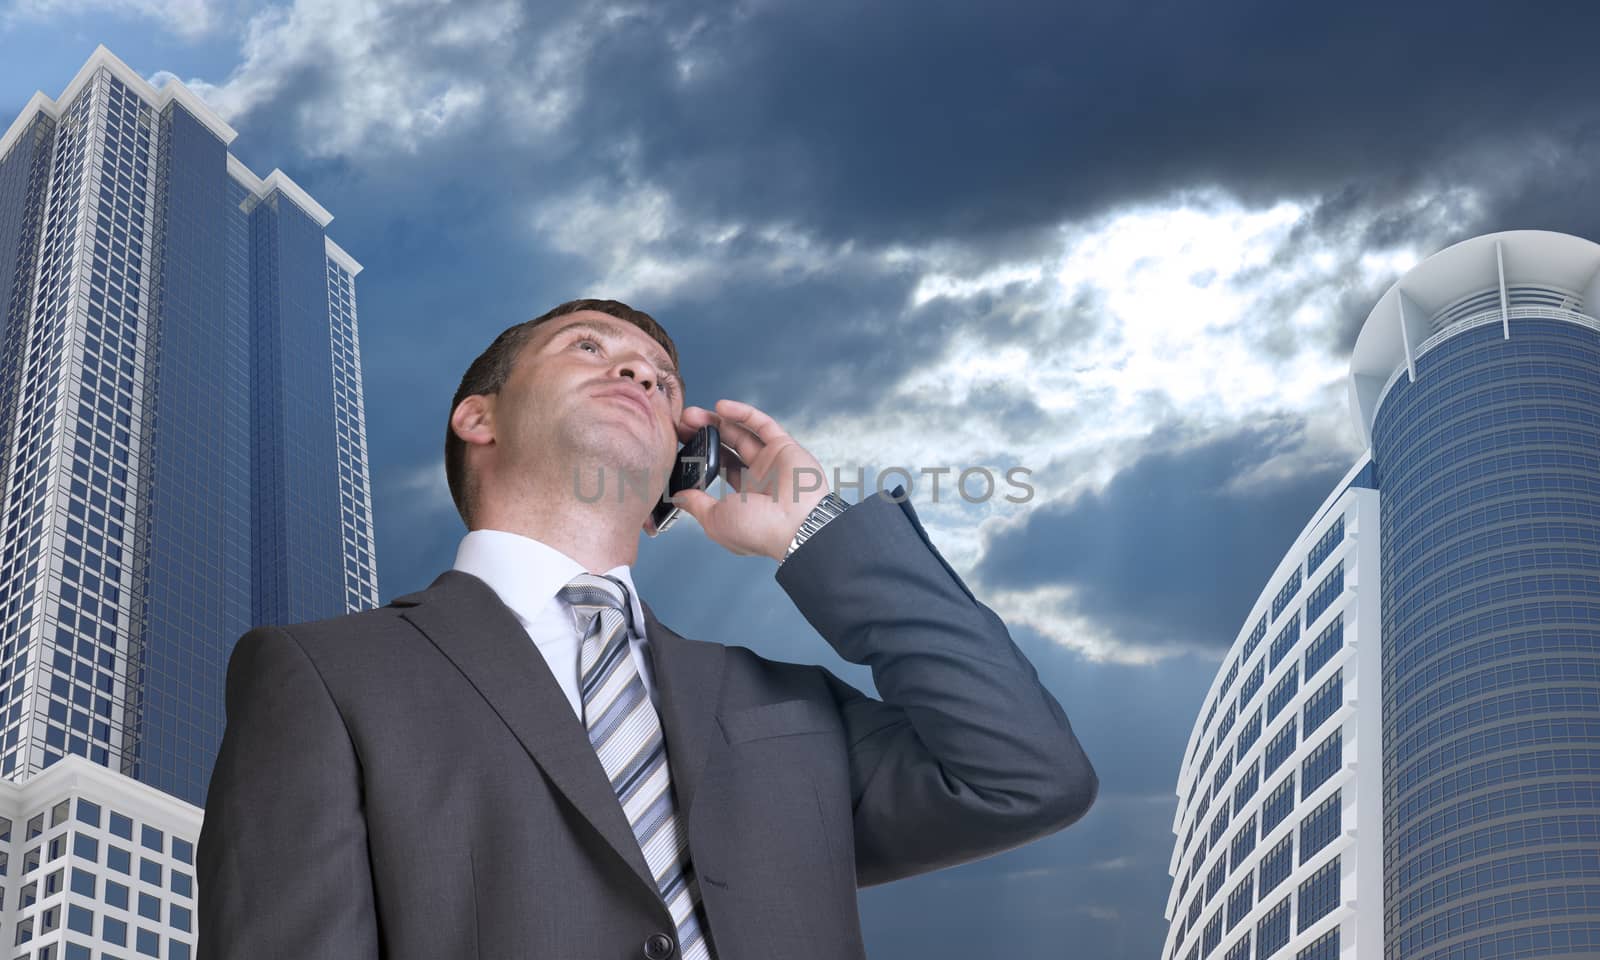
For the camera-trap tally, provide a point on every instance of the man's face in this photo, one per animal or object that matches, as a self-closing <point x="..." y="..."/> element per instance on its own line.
<point x="590" y="390"/>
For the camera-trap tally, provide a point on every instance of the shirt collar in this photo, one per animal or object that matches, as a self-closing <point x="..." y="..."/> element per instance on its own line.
<point x="526" y="573"/>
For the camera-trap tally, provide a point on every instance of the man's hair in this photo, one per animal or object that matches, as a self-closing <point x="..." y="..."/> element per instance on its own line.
<point x="489" y="372"/>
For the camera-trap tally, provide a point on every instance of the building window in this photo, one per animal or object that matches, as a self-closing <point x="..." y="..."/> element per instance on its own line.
<point x="1213" y="933"/>
<point x="1215" y="879"/>
<point x="1272" y="930"/>
<point x="1325" y="545"/>
<point x="1323" y="763"/>
<point x="1249" y="782"/>
<point x="1280" y="748"/>
<point x="1255" y="638"/>
<point x="1321" y="826"/>
<point x="86" y="847"/>
<point x="1283" y="692"/>
<point x="1328" y="643"/>
<point x="1319" y="894"/>
<point x="1220" y="823"/>
<point x="1286" y="593"/>
<point x="1326" y="947"/>
<point x="1277" y="864"/>
<point x="1284" y="641"/>
<point x="1325" y="702"/>
<point x="1243" y="842"/>
<point x="1277" y="805"/>
<point x="1253" y="682"/>
<point x="1326" y="592"/>
<point x="1241" y="900"/>
<point x="1224" y="770"/>
<point x="1249" y="733"/>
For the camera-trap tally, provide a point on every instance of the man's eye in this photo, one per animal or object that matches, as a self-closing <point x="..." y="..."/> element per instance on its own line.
<point x="590" y="343"/>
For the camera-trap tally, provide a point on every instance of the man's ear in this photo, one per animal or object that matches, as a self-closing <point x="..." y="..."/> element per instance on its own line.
<point x="473" y="419"/>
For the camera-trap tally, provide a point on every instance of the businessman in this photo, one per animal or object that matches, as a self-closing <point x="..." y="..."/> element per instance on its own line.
<point x="521" y="761"/>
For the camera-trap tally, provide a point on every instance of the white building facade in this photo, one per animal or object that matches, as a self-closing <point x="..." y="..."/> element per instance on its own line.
<point x="1417" y="689"/>
<point x="1276" y="834"/>
<point x="94" y="866"/>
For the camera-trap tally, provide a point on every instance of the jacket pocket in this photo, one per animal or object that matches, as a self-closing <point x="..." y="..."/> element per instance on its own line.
<point x="781" y="719"/>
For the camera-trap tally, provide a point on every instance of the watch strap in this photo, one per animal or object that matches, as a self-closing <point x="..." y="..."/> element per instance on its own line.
<point x="830" y="506"/>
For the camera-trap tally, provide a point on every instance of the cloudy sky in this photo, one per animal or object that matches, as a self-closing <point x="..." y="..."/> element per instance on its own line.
<point x="1126" y="246"/>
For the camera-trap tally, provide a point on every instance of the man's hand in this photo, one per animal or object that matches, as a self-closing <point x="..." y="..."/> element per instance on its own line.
<point x="776" y="480"/>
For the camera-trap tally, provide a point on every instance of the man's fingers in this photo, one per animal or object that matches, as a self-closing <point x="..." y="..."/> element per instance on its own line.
<point x="733" y="467"/>
<point x="751" y="419"/>
<point x="691" y="420"/>
<point x="740" y="439"/>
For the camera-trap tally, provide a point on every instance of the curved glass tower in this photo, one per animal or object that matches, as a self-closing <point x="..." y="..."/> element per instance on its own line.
<point x="1487" y="437"/>
<point x="1422" y="778"/>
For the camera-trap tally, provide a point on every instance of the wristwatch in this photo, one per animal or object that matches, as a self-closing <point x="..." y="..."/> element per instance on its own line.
<point x="830" y="506"/>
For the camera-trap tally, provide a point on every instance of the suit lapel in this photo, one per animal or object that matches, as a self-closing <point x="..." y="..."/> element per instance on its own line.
<point x="464" y="618"/>
<point x="688" y="679"/>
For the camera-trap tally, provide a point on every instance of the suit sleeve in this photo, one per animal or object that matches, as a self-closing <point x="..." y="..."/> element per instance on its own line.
<point x="282" y="862"/>
<point x="967" y="754"/>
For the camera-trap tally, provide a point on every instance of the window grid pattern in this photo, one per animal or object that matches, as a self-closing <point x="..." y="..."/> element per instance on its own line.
<point x="1325" y="947"/>
<point x="1324" y="702"/>
<point x="1272" y="930"/>
<point x="1249" y="733"/>
<point x="1325" y="545"/>
<point x="1249" y="783"/>
<point x="1243" y="843"/>
<point x="1215" y="877"/>
<point x="1277" y="805"/>
<point x="1286" y="593"/>
<point x="1325" y="593"/>
<point x="1281" y="747"/>
<point x="1227" y="681"/>
<point x="1224" y="770"/>
<point x="1490" y="476"/>
<point x="1283" y="692"/>
<point x="1318" y="896"/>
<point x="350" y="429"/>
<point x="1325" y="646"/>
<point x="128" y="558"/>
<point x="1219" y="824"/>
<point x="1241" y="900"/>
<point x="1257" y="634"/>
<point x="1321" y="826"/>
<point x="132" y="881"/>
<point x="1277" y="864"/>
<point x="1212" y="934"/>
<point x="1285" y="640"/>
<point x="68" y="594"/>
<point x="1323" y="763"/>
<point x="1253" y="682"/>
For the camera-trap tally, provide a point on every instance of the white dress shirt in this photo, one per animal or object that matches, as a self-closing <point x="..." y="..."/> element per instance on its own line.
<point x="526" y="575"/>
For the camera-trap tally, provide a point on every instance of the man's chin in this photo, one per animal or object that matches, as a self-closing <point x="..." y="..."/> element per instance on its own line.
<point x="633" y="475"/>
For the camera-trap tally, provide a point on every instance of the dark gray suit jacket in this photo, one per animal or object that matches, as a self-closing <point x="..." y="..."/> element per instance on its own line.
<point x="410" y="782"/>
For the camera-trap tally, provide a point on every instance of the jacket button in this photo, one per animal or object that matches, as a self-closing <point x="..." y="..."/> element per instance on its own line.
<point x="657" y="946"/>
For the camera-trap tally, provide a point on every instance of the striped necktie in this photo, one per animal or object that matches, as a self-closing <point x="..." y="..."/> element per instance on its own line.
<point x="626" y="735"/>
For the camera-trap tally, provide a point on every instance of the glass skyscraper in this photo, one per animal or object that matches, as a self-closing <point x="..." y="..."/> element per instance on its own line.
<point x="183" y="452"/>
<point x="1443" y="683"/>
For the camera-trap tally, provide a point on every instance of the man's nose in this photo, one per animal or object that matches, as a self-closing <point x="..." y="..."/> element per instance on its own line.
<point x="639" y="370"/>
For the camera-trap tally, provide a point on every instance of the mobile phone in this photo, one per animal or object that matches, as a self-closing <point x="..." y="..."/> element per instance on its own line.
<point x="699" y="462"/>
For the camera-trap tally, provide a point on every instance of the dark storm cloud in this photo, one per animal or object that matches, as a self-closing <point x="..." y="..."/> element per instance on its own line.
<point x="900" y="120"/>
<point x="1167" y="554"/>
